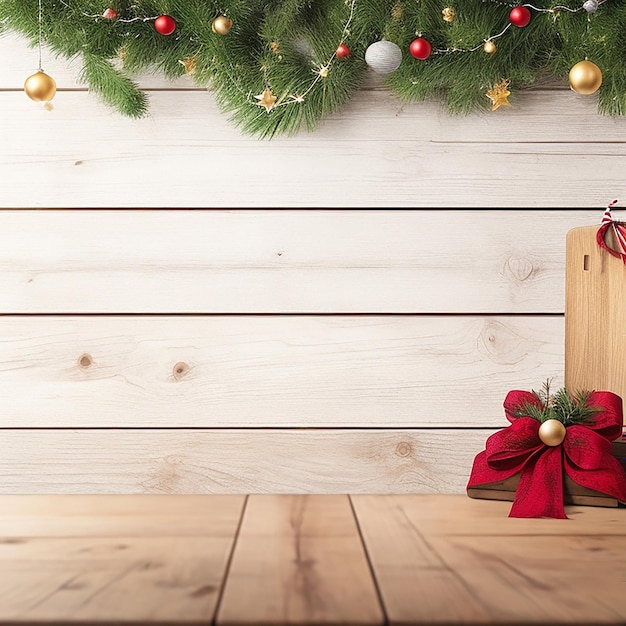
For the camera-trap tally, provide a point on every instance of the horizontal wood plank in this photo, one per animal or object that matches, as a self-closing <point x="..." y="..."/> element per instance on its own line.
<point x="114" y="559"/>
<point x="375" y="151"/>
<point x="304" y="557"/>
<point x="542" y="116"/>
<point x="110" y="515"/>
<point x="449" y="560"/>
<point x="140" y="167"/>
<point x="237" y="461"/>
<point x="373" y="107"/>
<point x="440" y="514"/>
<point x="385" y="261"/>
<point x="271" y="371"/>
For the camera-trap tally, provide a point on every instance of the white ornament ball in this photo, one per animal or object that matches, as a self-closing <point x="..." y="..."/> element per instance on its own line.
<point x="383" y="57"/>
<point x="591" y="6"/>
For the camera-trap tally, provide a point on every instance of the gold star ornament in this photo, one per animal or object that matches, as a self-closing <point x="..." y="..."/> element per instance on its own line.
<point x="499" y="94"/>
<point x="448" y="15"/>
<point x="189" y="65"/>
<point x="267" y="99"/>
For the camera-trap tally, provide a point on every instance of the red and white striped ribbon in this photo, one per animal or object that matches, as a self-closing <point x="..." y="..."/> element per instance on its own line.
<point x="619" y="232"/>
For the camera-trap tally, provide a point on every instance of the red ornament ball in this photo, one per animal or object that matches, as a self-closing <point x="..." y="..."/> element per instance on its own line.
<point x="165" y="25"/>
<point x="420" y="48"/>
<point x="342" y="51"/>
<point x="520" y="16"/>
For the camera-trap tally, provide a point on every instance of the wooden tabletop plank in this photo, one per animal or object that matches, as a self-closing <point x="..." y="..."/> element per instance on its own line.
<point x="299" y="560"/>
<point x="118" y="515"/>
<point x="454" y="514"/>
<point x="416" y="585"/>
<point x="110" y="559"/>
<point x="435" y="562"/>
<point x="572" y="579"/>
<point x="309" y="559"/>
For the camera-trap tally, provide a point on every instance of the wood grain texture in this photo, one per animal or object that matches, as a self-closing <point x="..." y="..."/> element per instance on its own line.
<point x="114" y="559"/>
<point x="448" y="515"/>
<point x="307" y="559"/>
<point x="237" y="461"/>
<point x="373" y="107"/>
<point x="299" y="560"/>
<point x="455" y="560"/>
<point x="111" y="515"/>
<point x="271" y="371"/>
<point x="389" y="261"/>
<point x="375" y="151"/>
<point x="416" y="585"/>
<point x="595" y="322"/>
<point x="138" y="167"/>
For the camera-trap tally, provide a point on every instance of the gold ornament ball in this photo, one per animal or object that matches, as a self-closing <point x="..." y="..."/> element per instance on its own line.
<point x="40" y="87"/>
<point x="222" y="25"/>
<point x="552" y="432"/>
<point x="489" y="47"/>
<point x="585" y="77"/>
<point x="448" y="15"/>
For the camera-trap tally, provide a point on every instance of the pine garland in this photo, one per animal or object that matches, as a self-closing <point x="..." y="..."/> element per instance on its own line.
<point x="562" y="406"/>
<point x="277" y="71"/>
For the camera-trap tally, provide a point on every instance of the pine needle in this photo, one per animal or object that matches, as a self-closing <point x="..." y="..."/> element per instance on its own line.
<point x="562" y="406"/>
<point x="289" y="47"/>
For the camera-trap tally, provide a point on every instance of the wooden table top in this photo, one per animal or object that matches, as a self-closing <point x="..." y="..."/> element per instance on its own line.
<point x="305" y="559"/>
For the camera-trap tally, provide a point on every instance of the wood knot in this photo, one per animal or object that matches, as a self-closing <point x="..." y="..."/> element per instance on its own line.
<point x="404" y="448"/>
<point x="149" y="565"/>
<point x="179" y="370"/>
<point x="85" y="361"/>
<point x="503" y="344"/>
<point x="520" y="268"/>
<point x="203" y="591"/>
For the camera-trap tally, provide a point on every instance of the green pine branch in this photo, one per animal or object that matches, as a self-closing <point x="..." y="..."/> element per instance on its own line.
<point x="562" y="406"/>
<point x="117" y="89"/>
<point x="289" y="47"/>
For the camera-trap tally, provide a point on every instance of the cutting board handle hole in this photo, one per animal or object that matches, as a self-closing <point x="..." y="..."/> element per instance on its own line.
<point x="586" y="262"/>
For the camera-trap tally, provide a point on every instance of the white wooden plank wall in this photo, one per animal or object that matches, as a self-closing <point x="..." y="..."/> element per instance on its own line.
<point x="260" y="350"/>
<point x="238" y="351"/>
<point x="551" y="149"/>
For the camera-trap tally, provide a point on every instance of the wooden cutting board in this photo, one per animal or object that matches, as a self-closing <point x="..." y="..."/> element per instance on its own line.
<point x="595" y="315"/>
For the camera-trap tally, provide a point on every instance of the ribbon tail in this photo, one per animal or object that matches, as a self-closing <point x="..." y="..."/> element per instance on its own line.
<point x="619" y="234"/>
<point x="540" y="489"/>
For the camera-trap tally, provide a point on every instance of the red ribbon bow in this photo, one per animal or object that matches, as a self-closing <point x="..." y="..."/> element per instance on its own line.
<point x="585" y="455"/>
<point x="619" y="234"/>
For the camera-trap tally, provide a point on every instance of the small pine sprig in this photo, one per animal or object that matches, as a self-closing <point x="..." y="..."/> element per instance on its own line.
<point x="562" y="406"/>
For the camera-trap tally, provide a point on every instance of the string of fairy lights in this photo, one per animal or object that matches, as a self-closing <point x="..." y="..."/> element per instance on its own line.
<point x="585" y="77"/>
<point x="270" y="101"/>
<point x="488" y="45"/>
<point x="382" y="56"/>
